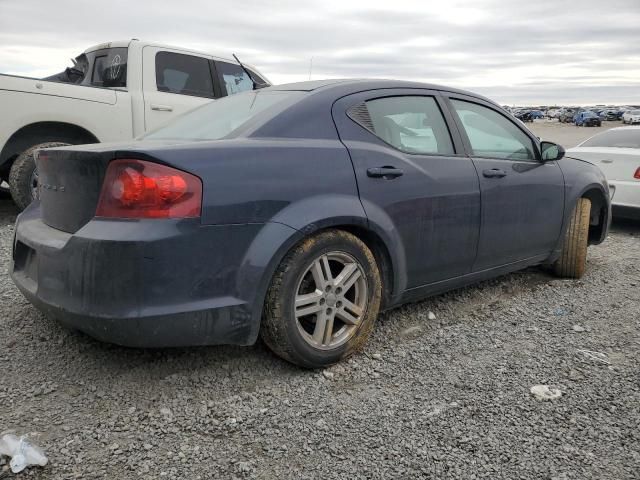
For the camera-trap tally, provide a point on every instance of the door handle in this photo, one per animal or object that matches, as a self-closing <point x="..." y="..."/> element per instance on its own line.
<point x="161" y="108"/>
<point x="384" y="172"/>
<point x="494" y="173"/>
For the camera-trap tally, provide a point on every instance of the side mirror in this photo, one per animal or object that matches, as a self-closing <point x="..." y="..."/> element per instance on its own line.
<point x="551" y="151"/>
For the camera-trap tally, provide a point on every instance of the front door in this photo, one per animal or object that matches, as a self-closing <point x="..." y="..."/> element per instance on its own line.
<point x="522" y="197"/>
<point x="414" y="178"/>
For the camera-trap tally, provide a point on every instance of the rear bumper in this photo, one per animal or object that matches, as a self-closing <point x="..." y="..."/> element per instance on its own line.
<point x="149" y="283"/>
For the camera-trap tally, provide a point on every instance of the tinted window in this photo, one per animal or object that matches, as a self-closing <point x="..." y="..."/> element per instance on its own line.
<point x="220" y="118"/>
<point x="183" y="74"/>
<point x="233" y="78"/>
<point x="109" y="68"/>
<point x="624" y="138"/>
<point x="491" y="134"/>
<point x="412" y="124"/>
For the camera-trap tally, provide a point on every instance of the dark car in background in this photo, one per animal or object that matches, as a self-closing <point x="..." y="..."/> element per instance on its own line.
<point x="587" y="118"/>
<point x="299" y="212"/>
<point x="524" y="115"/>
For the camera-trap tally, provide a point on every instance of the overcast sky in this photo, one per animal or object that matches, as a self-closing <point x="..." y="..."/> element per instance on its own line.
<point x="516" y="52"/>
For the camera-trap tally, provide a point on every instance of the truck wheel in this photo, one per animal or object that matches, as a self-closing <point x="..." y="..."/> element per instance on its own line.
<point x="23" y="176"/>
<point x="573" y="260"/>
<point x="323" y="300"/>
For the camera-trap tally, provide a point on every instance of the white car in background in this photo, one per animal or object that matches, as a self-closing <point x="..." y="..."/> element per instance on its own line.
<point x="631" y="116"/>
<point x="617" y="153"/>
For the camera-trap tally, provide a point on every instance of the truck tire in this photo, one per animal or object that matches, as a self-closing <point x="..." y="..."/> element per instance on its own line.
<point x="573" y="259"/>
<point x="23" y="177"/>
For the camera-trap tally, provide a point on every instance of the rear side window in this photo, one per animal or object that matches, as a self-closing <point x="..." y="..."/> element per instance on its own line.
<point x="412" y="124"/>
<point x="233" y="78"/>
<point x="109" y="68"/>
<point x="183" y="74"/>
<point x="491" y="134"/>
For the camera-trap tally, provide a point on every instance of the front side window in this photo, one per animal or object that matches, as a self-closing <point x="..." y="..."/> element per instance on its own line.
<point x="183" y="74"/>
<point x="412" y="124"/>
<point x="234" y="79"/>
<point x="491" y="134"/>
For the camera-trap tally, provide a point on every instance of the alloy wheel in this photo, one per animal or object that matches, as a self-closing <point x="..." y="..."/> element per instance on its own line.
<point x="330" y="300"/>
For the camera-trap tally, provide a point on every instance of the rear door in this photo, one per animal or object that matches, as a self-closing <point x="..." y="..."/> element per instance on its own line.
<point x="522" y="197"/>
<point x="175" y="82"/>
<point x="414" y="178"/>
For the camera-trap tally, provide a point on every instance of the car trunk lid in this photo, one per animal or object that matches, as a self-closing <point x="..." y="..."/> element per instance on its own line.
<point x="70" y="182"/>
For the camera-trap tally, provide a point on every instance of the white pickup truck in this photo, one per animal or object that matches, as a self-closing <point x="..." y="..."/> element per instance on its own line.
<point x="114" y="91"/>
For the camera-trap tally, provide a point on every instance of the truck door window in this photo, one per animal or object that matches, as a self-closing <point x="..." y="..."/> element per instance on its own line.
<point x="233" y="78"/>
<point x="183" y="74"/>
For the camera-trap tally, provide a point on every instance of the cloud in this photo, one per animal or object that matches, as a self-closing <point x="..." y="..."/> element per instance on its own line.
<point x="513" y="51"/>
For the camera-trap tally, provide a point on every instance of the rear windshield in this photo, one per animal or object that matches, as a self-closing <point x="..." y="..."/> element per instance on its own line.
<point x="220" y="118"/>
<point x="623" y="138"/>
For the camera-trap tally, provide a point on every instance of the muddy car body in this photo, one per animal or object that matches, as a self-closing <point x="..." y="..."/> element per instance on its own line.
<point x="324" y="203"/>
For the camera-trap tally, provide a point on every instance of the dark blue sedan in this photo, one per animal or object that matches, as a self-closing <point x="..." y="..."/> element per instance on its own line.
<point x="299" y="212"/>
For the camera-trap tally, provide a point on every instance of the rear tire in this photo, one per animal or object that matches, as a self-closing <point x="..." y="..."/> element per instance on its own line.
<point x="573" y="260"/>
<point x="23" y="177"/>
<point x="308" y="319"/>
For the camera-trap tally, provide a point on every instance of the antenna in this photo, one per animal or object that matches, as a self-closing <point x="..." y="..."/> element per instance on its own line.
<point x="256" y="85"/>
<point x="310" y="67"/>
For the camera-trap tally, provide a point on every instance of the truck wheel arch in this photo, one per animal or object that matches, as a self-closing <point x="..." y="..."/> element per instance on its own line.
<point x="41" y="132"/>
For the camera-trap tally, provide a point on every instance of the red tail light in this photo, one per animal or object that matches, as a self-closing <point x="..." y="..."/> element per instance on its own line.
<point x="637" y="174"/>
<point x="140" y="189"/>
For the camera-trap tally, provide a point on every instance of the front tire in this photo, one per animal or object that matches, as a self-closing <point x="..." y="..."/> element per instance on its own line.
<point x="323" y="300"/>
<point x="23" y="176"/>
<point x="573" y="260"/>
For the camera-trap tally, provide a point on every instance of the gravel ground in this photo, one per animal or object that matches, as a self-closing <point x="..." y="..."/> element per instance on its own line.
<point x="430" y="398"/>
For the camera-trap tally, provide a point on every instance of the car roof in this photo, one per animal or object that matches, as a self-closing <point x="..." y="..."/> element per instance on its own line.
<point x="346" y="86"/>
<point x="629" y="127"/>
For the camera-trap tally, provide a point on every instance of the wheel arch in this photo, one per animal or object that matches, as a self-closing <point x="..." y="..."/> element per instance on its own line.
<point x="600" y="216"/>
<point x="276" y="239"/>
<point x="41" y="132"/>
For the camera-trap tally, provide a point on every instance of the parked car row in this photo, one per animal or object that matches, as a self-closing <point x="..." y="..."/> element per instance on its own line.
<point x="577" y="115"/>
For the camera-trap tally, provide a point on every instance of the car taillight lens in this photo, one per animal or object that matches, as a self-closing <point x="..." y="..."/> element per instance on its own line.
<point x="637" y="174"/>
<point x="141" y="189"/>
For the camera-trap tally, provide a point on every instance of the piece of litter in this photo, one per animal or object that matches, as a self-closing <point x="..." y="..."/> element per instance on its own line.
<point x="597" y="356"/>
<point x="431" y="316"/>
<point x="327" y="375"/>
<point x="578" y="328"/>
<point x="411" y="331"/>
<point x="23" y="453"/>
<point x="376" y="356"/>
<point x="543" y="393"/>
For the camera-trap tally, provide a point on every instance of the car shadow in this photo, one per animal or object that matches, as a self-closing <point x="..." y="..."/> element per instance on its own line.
<point x="623" y="225"/>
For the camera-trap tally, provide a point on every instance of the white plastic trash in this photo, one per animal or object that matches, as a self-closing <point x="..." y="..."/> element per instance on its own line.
<point x="23" y="453"/>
